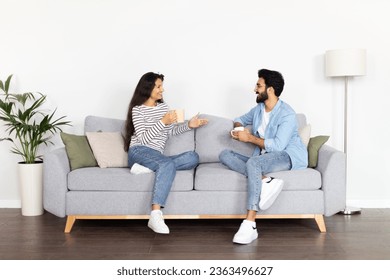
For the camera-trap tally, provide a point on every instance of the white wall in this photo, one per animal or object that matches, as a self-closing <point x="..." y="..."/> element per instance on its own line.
<point x="88" y="55"/>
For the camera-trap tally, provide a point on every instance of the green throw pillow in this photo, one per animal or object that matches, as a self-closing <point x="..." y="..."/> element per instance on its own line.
<point x="78" y="150"/>
<point x="315" y="143"/>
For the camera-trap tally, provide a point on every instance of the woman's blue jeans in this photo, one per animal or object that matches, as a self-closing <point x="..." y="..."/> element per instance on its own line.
<point x="254" y="168"/>
<point x="164" y="167"/>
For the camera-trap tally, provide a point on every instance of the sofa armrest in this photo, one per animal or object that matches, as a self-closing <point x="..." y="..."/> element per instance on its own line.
<point x="55" y="181"/>
<point x="332" y="166"/>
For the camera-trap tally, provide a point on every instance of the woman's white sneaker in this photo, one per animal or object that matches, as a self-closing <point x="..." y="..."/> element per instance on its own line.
<point x="246" y="233"/>
<point x="139" y="169"/>
<point x="156" y="222"/>
<point x="270" y="190"/>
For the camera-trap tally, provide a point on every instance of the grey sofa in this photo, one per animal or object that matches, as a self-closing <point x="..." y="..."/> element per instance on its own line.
<point x="211" y="191"/>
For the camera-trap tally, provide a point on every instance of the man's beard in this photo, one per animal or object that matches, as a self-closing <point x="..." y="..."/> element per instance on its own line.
<point x="261" y="97"/>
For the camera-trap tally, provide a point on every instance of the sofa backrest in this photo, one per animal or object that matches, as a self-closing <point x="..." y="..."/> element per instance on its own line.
<point x="212" y="139"/>
<point x="175" y="144"/>
<point x="208" y="141"/>
<point x="94" y="123"/>
<point x="301" y="119"/>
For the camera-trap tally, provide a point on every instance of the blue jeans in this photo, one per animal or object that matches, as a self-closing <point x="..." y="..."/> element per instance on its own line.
<point x="164" y="167"/>
<point x="254" y="168"/>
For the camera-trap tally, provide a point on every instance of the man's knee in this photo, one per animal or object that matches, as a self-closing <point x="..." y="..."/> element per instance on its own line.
<point x="253" y="163"/>
<point x="225" y="155"/>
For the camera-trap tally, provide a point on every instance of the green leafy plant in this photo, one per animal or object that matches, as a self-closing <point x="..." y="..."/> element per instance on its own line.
<point x="27" y="124"/>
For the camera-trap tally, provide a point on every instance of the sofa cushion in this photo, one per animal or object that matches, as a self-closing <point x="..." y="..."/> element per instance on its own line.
<point x="181" y="143"/>
<point x="314" y="146"/>
<point x="307" y="179"/>
<point x="304" y="132"/>
<point x="217" y="177"/>
<point x="213" y="138"/>
<point x="301" y="120"/>
<point x="94" y="123"/>
<point x="120" y="179"/>
<point x="108" y="149"/>
<point x="175" y="145"/>
<point x="78" y="150"/>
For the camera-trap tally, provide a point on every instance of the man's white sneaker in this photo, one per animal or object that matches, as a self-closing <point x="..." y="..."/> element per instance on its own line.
<point x="270" y="190"/>
<point x="139" y="169"/>
<point x="247" y="233"/>
<point x="156" y="222"/>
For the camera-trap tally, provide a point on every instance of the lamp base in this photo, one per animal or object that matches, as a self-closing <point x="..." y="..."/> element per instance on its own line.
<point x="349" y="210"/>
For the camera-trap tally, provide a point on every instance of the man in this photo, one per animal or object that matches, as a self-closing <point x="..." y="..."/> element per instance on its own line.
<point x="278" y="147"/>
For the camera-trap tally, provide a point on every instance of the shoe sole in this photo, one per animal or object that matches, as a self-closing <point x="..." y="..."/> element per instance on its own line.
<point x="245" y="241"/>
<point x="268" y="201"/>
<point x="156" y="231"/>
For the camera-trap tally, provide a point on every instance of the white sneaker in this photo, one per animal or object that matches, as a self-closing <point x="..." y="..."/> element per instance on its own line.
<point x="247" y="233"/>
<point x="270" y="190"/>
<point x="139" y="169"/>
<point x="156" y="222"/>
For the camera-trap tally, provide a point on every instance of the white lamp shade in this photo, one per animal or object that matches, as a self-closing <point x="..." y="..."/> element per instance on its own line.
<point x="345" y="62"/>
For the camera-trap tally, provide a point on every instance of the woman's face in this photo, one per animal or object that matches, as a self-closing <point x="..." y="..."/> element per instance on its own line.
<point x="157" y="90"/>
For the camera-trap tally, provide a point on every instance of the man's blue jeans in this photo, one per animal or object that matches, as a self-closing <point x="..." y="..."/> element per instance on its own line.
<point x="164" y="167"/>
<point x="254" y="168"/>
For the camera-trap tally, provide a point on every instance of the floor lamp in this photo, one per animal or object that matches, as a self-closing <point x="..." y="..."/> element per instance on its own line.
<point x="346" y="63"/>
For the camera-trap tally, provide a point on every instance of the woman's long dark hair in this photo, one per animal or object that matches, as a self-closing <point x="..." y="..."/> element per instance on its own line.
<point x="142" y="93"/>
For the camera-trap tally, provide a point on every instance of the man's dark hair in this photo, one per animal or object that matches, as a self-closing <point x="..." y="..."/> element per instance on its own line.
<point x="272" y="79"/>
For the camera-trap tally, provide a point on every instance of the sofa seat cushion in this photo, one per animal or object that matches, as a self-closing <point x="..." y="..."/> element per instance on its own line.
<point x="120" y="179"/>
<point x="217" y="177"/>
<point x="307" y="179"/>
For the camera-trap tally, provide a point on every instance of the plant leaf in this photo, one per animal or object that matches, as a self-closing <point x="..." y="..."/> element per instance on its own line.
<point x="6" y="139"/>
<point x="7" y="83"/>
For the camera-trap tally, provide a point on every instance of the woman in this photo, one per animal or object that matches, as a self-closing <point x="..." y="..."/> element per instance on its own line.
<point x="148" y="125"/>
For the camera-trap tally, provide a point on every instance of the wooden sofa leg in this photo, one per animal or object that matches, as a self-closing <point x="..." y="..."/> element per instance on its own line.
<point x="69" y="223"/>
<point x="320" y="222"/>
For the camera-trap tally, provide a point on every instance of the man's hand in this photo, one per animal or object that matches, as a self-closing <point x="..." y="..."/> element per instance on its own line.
<point x="247" y="137"/>
<point x="243" y="136"/>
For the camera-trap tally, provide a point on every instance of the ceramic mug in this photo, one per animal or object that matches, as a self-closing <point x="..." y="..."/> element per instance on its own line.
<point x="179" y="115"/>
<point x="238" y="128"/>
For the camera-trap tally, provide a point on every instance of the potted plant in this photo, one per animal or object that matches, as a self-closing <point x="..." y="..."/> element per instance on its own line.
<point x="28" y="126"/>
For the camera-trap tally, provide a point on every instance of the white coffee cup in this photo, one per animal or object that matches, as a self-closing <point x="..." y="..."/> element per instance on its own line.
<point x="238" y="128"/>
<point x="180" y="115"/>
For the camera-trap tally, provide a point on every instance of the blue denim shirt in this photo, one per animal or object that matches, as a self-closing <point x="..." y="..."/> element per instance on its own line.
<point x="281" y="133"/>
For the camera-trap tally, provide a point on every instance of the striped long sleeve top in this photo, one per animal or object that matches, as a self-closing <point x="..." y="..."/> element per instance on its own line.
<point x="149" y="130"/>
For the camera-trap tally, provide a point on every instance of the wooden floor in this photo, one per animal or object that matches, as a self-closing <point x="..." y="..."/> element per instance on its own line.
<point x="365" y="236"/>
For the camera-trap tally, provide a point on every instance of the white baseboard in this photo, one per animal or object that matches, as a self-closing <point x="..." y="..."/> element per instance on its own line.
<point x="10" y="204"/>
<point x="354" y="203"/>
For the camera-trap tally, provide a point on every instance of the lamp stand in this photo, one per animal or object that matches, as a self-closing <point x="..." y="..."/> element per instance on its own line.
<point x="348" y="210"/>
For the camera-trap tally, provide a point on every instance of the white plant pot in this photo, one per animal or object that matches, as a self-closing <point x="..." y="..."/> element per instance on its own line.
<point x="31" y="188"/>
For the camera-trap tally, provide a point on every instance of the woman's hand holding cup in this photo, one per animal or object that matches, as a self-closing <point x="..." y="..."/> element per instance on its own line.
<point x="169" y="118"/>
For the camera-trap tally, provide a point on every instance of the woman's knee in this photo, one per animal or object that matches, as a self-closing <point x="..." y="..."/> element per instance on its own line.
<point x="167" y="165"/>
<point x="194" y="157"/>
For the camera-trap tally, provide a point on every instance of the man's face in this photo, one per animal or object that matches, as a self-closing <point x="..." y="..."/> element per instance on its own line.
<point x="261" y="91"/>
